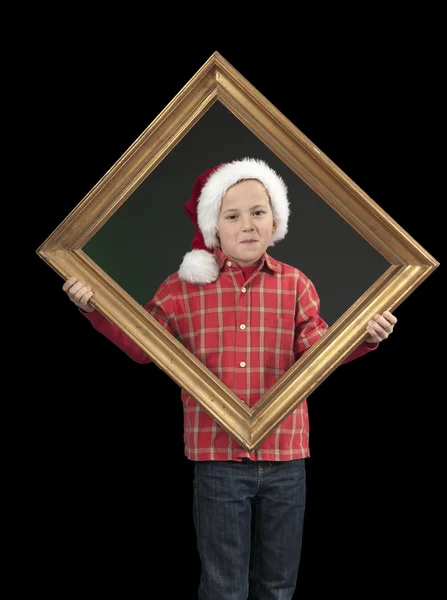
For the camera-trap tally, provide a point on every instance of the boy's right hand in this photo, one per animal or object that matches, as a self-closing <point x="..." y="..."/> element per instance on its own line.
<point x="78" y="293"/>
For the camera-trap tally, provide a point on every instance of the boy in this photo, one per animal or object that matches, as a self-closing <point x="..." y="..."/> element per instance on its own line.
<point x="248" y="318"/>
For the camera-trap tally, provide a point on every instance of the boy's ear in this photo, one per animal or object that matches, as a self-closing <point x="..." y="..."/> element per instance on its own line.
<point x="274" y="226"/>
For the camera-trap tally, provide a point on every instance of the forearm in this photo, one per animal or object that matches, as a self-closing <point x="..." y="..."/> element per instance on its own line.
<point x="117" y="337"/>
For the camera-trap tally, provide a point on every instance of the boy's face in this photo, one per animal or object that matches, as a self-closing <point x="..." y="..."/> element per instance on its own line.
<point x="246" y="222"/>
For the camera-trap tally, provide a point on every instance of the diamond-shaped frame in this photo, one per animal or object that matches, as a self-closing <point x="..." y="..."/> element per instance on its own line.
<point x="218" y="81"/>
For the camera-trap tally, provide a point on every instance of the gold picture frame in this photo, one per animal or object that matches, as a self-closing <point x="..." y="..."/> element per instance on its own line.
<point x="218" y="81"/>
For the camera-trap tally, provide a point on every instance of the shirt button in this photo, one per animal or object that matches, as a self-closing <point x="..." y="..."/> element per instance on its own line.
<point x="229" y="263"/>
<point x="243" y="290"/>
<point x="242" y="326"/>
<point x="242" y="364"/>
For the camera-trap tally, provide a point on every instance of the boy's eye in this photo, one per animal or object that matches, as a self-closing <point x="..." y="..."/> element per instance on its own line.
<point x="256" y="213"/>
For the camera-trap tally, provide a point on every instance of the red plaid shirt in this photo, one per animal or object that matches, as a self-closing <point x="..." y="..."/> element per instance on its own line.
<point x="248" y="332"/>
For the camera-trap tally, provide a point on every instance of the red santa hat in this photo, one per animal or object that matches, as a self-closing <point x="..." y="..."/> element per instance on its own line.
<point x="200" y="265"/>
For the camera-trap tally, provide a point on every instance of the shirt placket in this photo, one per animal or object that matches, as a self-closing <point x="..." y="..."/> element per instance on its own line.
<point x="242" y="358"/>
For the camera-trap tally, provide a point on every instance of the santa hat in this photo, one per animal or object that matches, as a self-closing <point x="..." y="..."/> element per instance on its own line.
<point x="200" y="264"/>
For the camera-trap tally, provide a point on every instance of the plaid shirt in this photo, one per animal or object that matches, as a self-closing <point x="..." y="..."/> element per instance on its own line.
<point x="248" y="332"/>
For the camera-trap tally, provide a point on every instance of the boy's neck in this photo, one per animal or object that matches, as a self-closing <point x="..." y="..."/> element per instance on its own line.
<point x="255" y="266"/>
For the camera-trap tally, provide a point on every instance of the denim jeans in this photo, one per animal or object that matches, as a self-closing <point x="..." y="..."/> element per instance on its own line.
<point x="249" y="518"/>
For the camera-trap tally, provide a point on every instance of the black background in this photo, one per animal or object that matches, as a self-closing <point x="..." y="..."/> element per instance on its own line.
<point x="106" y="507"/>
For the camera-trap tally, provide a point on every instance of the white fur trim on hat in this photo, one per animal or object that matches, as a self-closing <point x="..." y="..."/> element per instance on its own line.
<point x="199" y="266"/>
<point x="209" y="201"/>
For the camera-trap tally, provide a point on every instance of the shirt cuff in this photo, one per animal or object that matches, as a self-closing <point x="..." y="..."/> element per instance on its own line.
<point x="94" y="317"/>
<point x="371" y="345"/>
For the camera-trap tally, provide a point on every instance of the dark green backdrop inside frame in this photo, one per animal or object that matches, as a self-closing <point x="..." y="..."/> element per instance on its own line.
<point x="146" y="239"/>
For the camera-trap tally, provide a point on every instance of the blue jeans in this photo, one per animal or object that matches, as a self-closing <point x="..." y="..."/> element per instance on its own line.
<point x="249" y="523"/>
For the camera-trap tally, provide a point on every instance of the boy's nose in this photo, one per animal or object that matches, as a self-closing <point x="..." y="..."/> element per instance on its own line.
<point x="247" y="225"/>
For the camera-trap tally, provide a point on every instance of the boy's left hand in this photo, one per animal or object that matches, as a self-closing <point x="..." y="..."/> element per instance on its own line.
<point x="380" y="327"/>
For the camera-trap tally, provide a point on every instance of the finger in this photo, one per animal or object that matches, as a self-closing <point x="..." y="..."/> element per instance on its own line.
<point x="74" y="289"/>
<point x="390" y="317"/>
<point x="384" y="323"/>
<point x="85" y="299"/>
<point x="378" y="331"/>
<point x="373" y="334"/>
<point x="80" y="293"/>
<point x="67" y="285"/>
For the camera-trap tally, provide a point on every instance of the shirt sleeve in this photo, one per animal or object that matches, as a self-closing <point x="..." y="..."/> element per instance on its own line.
<point x="364" y="348"/>
<point x="160" y="307"/>
<point x="309" y="326"/>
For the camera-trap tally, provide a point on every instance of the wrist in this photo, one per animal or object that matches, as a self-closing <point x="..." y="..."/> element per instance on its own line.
<point x="86" y="311"/>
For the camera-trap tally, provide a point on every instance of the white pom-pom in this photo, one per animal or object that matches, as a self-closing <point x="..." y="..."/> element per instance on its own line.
<point x="199" y="266"/>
